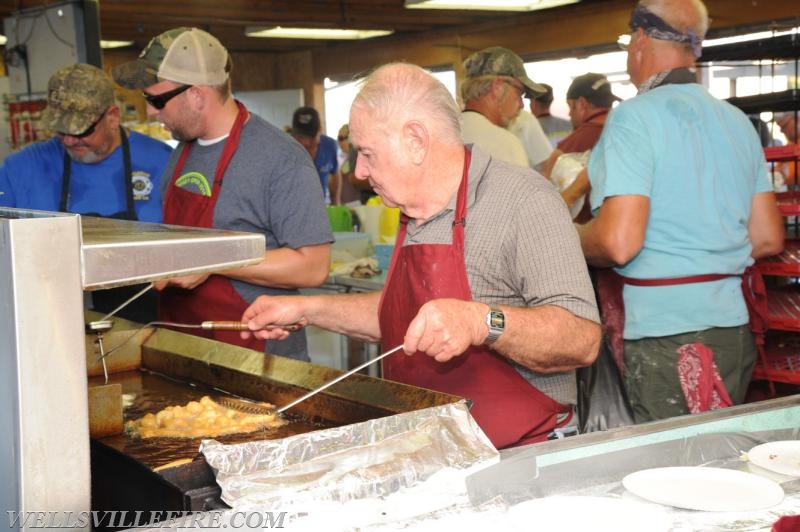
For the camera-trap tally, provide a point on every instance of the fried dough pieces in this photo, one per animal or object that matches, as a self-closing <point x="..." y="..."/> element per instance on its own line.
<point x="203" y="418"/>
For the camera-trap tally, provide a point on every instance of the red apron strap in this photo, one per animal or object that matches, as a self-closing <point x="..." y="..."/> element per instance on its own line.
<point x="612" y="306"/>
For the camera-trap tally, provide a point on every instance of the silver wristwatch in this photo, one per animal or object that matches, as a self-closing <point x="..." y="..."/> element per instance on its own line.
<point x="496" y="321"/>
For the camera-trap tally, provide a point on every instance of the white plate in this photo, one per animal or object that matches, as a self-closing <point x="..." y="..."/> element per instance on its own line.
<point x="778" y="456"/>
<point x="704" y="488"/>
<point x="598" y="514"/>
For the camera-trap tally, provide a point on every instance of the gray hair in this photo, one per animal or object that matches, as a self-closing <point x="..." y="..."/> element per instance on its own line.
<point x="402" y="91"/>
<point x="473" y="88"/>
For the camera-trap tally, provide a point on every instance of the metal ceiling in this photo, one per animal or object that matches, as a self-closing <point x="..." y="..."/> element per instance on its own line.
<point x="140" y="20"/>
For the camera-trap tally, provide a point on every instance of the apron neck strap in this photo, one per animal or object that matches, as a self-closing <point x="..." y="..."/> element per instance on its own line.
<point x="228" y="151"/>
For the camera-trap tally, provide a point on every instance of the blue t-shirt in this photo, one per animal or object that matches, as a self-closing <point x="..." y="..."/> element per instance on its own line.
<point x="32" y="178"/>
<point x="326" y="161"/>
<point x="700" y="162"/>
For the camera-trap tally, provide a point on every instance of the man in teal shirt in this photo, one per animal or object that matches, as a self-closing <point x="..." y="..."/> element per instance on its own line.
<point x="679" y="190"/>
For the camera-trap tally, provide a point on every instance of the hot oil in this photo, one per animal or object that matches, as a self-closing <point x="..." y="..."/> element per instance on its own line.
<point x="146" y="392"/>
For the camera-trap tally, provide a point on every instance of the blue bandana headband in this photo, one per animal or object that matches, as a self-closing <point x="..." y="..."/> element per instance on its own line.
<point x="656" y="28"/>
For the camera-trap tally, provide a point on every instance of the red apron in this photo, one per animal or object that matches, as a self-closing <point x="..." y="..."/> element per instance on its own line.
<point x="508" y="409"/>
<point x="216" y="298"/>
<point x="612" y="306"/>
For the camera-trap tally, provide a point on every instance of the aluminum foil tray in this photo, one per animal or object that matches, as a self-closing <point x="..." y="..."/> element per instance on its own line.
<point x="364" y="460"/>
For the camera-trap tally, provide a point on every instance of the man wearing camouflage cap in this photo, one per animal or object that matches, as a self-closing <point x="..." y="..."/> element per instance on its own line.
<point x="492" y="91"/>
<point x="92" y="165"/>
<point x="232" y="170"/>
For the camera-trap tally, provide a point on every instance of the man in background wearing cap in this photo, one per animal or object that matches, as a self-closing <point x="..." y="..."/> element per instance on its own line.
<point x="91" y="166"/>
<point x="683" y="205"/>
<point x="306" y="130"/>
<point x="589" y="98"/>
<point x="232" y="170"/>
<point x="554" y="127"/>
<point x="495" y="82"/>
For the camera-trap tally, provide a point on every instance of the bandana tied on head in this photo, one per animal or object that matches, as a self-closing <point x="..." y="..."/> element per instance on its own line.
<point x="656" y="28"/>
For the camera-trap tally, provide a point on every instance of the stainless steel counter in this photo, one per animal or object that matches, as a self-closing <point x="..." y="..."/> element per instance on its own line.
<point x="522" y="490"/>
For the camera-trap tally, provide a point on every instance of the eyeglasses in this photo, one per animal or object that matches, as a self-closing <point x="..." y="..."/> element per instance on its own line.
<point x="159" y="101"/>
<point x="89" y="130"/>
<point x="520" y="89"/>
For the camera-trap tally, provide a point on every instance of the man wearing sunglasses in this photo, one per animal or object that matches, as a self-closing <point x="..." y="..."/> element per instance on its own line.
<point x="492" y="91"/>
<point x="232" y="170"/>
<point x="91" y="165"/>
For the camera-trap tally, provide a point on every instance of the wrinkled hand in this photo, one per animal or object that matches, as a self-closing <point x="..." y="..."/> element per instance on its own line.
<point x="187" y="282"/>
<point x="267" y="313"/>
<point x="445" y="328"/>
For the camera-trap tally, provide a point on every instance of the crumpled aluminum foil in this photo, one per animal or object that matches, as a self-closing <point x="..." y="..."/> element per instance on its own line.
<point x="370" y="459"/>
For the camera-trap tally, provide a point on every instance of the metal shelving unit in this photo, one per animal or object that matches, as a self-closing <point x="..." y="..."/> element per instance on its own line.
<point x="781" y="362"/>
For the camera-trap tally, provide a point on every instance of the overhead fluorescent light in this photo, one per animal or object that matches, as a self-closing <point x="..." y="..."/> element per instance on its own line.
<point x="750" y="37"/>
<point x="488" y="5"/>
<point x="279" y="32"/>
<point x="115" y="44"/>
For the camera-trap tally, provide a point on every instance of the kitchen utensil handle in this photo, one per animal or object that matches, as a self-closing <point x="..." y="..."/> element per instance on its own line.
<point x="340" y="377"/>
<point x="242" y="326"/>
<point x="224" y="326"/>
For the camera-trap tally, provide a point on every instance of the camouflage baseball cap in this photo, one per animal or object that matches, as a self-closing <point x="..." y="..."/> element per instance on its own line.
<point x="77" y="96"/>
<point x="183" y="55"/>
<point x="499" y="61"/>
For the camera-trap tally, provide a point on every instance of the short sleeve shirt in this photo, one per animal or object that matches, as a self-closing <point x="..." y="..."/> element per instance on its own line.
<point x="699" y="162"/>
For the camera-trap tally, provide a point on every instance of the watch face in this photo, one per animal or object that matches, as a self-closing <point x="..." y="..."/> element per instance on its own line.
<point x="497" y="320"/>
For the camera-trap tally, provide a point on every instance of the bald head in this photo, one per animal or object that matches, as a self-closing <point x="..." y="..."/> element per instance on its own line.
<point x="398" y="92"/>
<point x="405" y="126"/>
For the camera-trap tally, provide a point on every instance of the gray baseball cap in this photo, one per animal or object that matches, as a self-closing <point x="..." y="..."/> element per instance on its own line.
<point x="184" y="55"/>
<point x="499" y="61"/>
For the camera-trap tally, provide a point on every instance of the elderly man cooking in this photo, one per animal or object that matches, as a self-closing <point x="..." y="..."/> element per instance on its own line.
<point x="489" y="302"/>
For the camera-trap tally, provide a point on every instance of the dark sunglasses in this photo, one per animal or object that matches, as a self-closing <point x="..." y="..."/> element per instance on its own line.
<point x="159" y="101"/>
<point x="88" y="130"/>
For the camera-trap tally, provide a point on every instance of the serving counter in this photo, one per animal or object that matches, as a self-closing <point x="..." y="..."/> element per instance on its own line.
<point x="576" y="483"/>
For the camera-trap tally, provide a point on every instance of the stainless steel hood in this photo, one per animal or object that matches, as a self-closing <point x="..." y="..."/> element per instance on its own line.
<point x="118" y="252"/>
